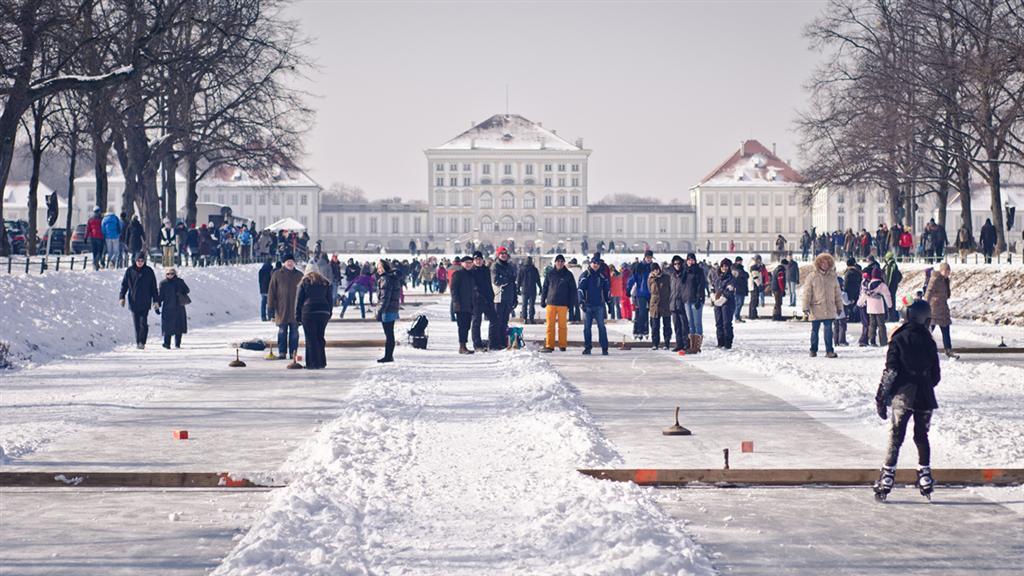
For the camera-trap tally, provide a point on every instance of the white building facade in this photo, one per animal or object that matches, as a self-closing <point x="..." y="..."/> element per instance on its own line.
<point x="748" y="200"/>
<point x="507" y="178"/>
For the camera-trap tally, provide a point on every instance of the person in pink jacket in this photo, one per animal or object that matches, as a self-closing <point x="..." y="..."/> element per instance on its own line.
<point x="876" y="300"/>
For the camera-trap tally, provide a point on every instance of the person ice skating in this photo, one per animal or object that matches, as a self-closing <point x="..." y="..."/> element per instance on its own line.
<point x="266" y="271"/>
<point x="908" y="388"/>
<point x="528" y="281"/>
<point x="281" y="296"/>
<point x="170" y="302"/>
<point x="725" y="302"/>
<point x="822" y="301"/>
<point x="876" y="301"/>
<point x="503" y="278"/>
<point x="660" y="288"/>
<point x="139" y="286"/>
<point x="388" y="303"/>
<point x="463" y="294"/>
<point x="937" y="295"/>
<point x="594" y="295"/>
<point x="313" y="311"/>
<point x="557" y="294"/>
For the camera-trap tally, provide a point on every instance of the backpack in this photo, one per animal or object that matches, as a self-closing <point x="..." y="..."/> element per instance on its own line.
<point x="419" y="326"/>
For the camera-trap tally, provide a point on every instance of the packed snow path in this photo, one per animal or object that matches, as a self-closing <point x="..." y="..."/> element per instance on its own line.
<point x="447" y="464"/>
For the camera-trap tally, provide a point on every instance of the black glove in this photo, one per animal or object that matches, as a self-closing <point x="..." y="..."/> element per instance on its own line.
<point x="543" y="303"/>
<point x="883" y="412"/>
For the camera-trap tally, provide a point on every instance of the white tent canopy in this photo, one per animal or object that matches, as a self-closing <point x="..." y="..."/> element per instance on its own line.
<point x="290" y="224"/>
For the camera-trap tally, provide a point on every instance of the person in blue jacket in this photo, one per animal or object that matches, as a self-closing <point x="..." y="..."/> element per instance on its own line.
<point x="594" y="295"/>
<point x="111" y="227"/>
<point x="640" y="294"/>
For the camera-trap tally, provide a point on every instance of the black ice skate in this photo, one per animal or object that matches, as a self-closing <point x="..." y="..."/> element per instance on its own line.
<point x="925" y="482"/>
<point x="885" y="483"/>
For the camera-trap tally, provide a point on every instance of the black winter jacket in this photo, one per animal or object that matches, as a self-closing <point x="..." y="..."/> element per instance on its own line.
<point x="559" y="288"/>
<point x="695" y="284"/>
<point x="529" y="281"/>
<point x="140" y="286"/>
<point x="742" y="281"/>
<point x="265" y="272"/>
<point x="503" y="277"/>
<point x="484" y="289"/>
<point x="463" y="289"/>
<point x="915" y="359"/>
<point x="389" y="292"/>
<point x="173" y="316"/>
<point x="313" y="298"/>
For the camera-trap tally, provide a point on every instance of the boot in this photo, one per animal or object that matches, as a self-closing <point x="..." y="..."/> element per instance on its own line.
<point x="464" y="350"/>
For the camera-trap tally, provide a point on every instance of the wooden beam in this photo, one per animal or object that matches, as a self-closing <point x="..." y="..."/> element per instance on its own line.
<point x="272" y="344"/>
<point x="805" y="476"/>
<point x="354" y="320"/>
<point x="127" y="480"/>
<point x="992" y="350"/>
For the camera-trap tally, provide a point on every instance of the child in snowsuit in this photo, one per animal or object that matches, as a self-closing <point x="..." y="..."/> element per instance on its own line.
<point x="908" y="387"/>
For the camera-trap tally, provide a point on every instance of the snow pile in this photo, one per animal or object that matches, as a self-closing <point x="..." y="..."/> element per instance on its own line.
<point x="985" y="293"/>
<point x="66" y="314"/>
<point x="446" y="465"/>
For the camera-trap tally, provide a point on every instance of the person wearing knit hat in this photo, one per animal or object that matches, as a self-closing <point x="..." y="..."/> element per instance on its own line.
<point x="594" y="295"/>
<point x="503" y="278"/>
<point x="281" y="297"/>
<point x="558" y="293"/>
<point x="170" y="302"/>
<point x="724" y="288"/>
<point x="139" y="290"/>
<point x="483" y="302"/>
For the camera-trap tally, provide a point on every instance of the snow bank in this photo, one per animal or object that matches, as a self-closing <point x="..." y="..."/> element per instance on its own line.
<point x="453" y="464"/>
<point x="60" y="315"/>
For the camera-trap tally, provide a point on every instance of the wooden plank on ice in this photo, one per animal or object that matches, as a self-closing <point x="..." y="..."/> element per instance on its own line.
<point x="805" y="476"/>
<point x="126" y="480"/>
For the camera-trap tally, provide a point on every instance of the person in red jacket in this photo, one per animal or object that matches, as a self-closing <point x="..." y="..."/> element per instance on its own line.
<point x="906" y="243"/>
<point x="94" y="233"/>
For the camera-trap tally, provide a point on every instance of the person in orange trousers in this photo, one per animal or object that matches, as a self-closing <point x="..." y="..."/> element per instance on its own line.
<point x="557" y="294"/>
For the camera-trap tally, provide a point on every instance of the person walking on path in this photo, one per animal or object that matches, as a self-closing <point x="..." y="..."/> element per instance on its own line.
<point x="111" y="225"/>
<point x="660" y="287"/>
<point x="557" y="294"/>
<point x="594" y="295"/>
<point x="822" y="301"/>
<point x="463" y="296"/>
<point x="170" y="302"/>
<point x="388" y="303"/>
<point x="313" y="311"/>
<point x="503" y="277"/>
<point x="136" y="236"/>
<point x="140" y="289"/>
<point x="528" y="281"/>
<point x="281" y="296"/>
<point x="876" y="300"/>
<point x="988" y="239"/>
<point x="266" y="271"/>
<point x="94" y="233"/>
<point x="724" y="288"/>
<point x="907" y="388"/>
<point x="483" y="306"/>
<point x="677" y="306"/>
<point x="937" y="295"/>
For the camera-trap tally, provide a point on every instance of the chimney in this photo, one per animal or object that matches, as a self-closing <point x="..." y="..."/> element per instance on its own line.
<point x="773" y="149"/>
<point x="540" y="124"/>
<point x="743" y="148"/>
<point x="472" y="123"/>
<point x="579" y="143"/>
<point x="555" y="132"/>
<point x="472" y="143"/>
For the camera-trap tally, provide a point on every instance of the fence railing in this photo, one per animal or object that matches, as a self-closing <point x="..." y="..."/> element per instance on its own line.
<point x="56" y="263"/>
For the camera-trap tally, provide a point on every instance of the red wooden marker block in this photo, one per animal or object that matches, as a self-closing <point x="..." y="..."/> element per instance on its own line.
<point x="682" y="352"/>
<point x="180" y="434"/>
<point x="747" y="446"/>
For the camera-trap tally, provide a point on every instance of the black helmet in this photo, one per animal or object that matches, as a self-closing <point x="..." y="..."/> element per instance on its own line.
<point x="919" y="312"/>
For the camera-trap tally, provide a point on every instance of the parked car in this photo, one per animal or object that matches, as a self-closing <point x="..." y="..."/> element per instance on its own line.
<point x="16" y="235"/>
<point x="57" y="244"/>
<point x="79" y="243"/>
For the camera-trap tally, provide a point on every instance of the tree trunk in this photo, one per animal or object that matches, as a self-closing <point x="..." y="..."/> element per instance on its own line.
<point x="72" y="166"/>
<point x="997" y="205"/>
<point x="964" y="184"/>
<point x="170" y="184"/>
<point x="192" y="197"/>
<point x="33" y="196"/>
<point x="101" y="149"/>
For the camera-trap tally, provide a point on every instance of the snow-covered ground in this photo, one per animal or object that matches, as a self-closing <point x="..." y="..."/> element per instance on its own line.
<point x="449" y="464"/>
<point x="63" y="315"/>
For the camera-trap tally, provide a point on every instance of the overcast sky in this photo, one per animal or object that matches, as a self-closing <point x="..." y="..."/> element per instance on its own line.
<point x="661" y="91"/>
